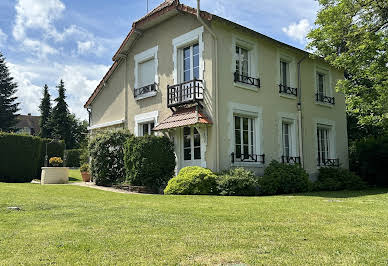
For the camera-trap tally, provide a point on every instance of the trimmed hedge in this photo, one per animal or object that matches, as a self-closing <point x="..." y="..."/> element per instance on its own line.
<point x="149" y="161"/>
<point x="73" y="157"/>
<point x="331" y="178"/>
<point x="282" y="178"/>
<point x="238" y="182"/>
<point x="107" y="157"/>
<point x="22" y="156"/>
<point x="193" y="180"/>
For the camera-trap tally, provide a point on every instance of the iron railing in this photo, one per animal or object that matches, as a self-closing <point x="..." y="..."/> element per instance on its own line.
<point x="184" y="93"/>
<point x="247" y="80"/>
<point x="291" y="159"/>
<point x="288" y="90"/>
<point x="328" y="162"/>
<point x="249" y="158"/>
<point x="320" y="97"/>
<point x="143" y="90"/>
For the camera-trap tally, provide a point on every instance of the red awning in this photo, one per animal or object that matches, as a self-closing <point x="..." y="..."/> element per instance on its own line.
<point x="183" y="118"/>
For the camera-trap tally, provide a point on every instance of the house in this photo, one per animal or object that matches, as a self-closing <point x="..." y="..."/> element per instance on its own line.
<point x="28" y="124"/>
<point x="225" y="94"/>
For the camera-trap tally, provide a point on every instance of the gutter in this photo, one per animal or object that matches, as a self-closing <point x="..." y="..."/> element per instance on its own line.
<point x="299" y="106"/>
<point x="206" y="26"/>
<point x="124" y="58"/>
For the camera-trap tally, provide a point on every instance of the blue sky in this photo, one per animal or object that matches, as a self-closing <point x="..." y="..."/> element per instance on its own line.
<point x="74" y="40"/>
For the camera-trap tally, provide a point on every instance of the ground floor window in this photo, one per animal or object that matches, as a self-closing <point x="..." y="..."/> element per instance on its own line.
<point x="191" y="144"/>
<point x="286" y="136"/>
<point x="146" y="128"/>
<point x="323" y="143"/>
<point x="244" y="136"/>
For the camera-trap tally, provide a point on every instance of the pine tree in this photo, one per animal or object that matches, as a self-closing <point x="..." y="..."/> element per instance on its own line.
<point x="8" y="106"/>
<point x="45" y="114"/>
<point x="60" y="116"/>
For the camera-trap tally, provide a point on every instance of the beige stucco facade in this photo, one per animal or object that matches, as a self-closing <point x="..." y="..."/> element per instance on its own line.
<point x="116" y="106"/>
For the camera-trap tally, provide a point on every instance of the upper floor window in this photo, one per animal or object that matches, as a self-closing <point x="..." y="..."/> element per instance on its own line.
<point x="284" y="73"/>
<point x="146" y="78"/>
<point x="146" y="73"/>
<point x="244" y="63"/>
<point x="190" y="59"/>
<point x="323" y="90"/>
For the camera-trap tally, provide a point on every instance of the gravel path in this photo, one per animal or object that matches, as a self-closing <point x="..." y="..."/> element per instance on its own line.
<point x="92" y="185"/>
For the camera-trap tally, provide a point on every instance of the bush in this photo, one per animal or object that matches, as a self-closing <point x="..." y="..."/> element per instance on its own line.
<point x="73" y="157"/>
<point x="19" y="157"/>
<point x="149" y="161"/>
<point x="193" y="180"/>
<point x="107" y="157"/>
<point x="369" y="159"/>
<point x="237" y="182"/>
<point x="84" y="156"/>
<point x="84" y="168"/>
<point x="331" y="178"/>
<point x="282" y="178"/>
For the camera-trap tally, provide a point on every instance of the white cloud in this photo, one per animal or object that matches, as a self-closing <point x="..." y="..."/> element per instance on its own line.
<point x="298" y="31"/>
<point x="41" y="49"/>
<point x="3" y="38"/>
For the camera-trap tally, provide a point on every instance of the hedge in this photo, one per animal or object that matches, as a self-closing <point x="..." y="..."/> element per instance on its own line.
<point x="22" y="156"/>
<point x="149" y="161"/>
<point x="73" y="157"/>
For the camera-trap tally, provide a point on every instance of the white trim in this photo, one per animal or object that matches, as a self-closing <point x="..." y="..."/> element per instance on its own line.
<point x="292" y="118"/>
<point x="326" y="71"/>
<point x="290" y="59"/>
<point x="185" y="40"/>
<point x="149" y="54"/>
<point x="254" y="112"/>
<point x="107" y="124"/>
<point x="144" y="118"/>
<point x="332" y="137"/>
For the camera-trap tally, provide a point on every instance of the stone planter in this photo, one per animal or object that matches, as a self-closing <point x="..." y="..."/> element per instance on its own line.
<point x="54" y="175"/>
<point x="85" y="176"/>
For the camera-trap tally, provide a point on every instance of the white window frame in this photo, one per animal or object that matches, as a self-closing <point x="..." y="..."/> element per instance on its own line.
<point x="142" y="57"/>
<point x="192" y="147"/>
<point x="290" y="118"/>
<point x="182" y="41"/>
<point x="321" y="122"/>
<point x="254" y="112"/>
<point x="328" y="88"/>
<point x="151" y="117"/>
<point x="251" y="131"/>
<point x="141" y="128"/>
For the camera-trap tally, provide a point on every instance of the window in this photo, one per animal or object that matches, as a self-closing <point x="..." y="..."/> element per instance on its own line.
<point x="242" y="61"/>
<point x="286" y="136"/>
<point x="284" y="73"/>
<point x="146" y="128"/>
<point x="244" y="65"/>
<point x="146" y="73"/>
<point x="146" y="78"/>
<point x="321" y="84"/>
<point x="323" y="144"/>
<point x="191" y="144"/>
<point x="190" y="63"/>
<point x="244" y="134"/>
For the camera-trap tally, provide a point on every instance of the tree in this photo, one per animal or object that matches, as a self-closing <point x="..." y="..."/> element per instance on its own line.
<point x="78" y="132"/>
<point x="353" y="35"/>
<point x="8" y="104"/>
<point x="45" y="114"/>
<point x="60" y="116"/>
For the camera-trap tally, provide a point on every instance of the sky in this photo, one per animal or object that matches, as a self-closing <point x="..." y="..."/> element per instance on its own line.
<point x="45" y="41"/>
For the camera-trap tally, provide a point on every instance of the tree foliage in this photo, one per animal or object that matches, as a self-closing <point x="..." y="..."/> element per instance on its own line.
<point x="353" y="35"/>
<point x="8" y="104"/>
<point x="60" y="116"/>
<point x="45" y="114"/>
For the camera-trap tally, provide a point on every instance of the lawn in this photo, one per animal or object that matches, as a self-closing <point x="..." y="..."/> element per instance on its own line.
<point x="74" y="175"/>
<point x="65" y="224"/>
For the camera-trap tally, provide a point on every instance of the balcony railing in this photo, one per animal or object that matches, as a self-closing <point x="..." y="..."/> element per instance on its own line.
<point x="288" y="90"/>
<point x="144" y="90"/>
<point x="249" y="158"/>
<point x="290" y="160"/>
<point x="320" y="97"/>
<point x="246" y="80"/>
<point x="328" y="162"/>
<point x="185" y="93"/>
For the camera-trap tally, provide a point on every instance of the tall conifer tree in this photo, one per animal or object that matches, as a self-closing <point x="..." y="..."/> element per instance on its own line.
<point x="45" y="114"/>
<point x="60" y="116"/>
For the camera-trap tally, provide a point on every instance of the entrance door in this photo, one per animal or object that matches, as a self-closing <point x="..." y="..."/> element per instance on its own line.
<point x="191" y="154"/>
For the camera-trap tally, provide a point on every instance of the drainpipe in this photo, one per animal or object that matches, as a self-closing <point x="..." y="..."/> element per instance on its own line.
<point x="299" y="106"/>
<point x="206" y="26"/>
<point x="124" y="58"/>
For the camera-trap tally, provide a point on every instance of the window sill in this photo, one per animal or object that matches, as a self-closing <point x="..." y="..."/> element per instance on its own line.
<point x="248" y="164"/>
<point x="329" y="105"/>
<point x="146" y="95"/>
<point x="288" y="96"/>
<point x="245" y="86"/>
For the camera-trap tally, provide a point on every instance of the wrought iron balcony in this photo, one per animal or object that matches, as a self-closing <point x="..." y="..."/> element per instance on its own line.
<point x="290" y="160"/>
<point x="320" y="97"/>
<point x="328" y="162"/>
<point x="246" y="80"/>
<point x="144" y="90"/>
<point x="288" y="90"/>
<point x="249" y="158"/>
<point x="185" y="93"/>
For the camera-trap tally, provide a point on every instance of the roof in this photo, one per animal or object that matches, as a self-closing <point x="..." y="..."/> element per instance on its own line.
<point x="182" y="118"/>
<point x="30" y="121"/>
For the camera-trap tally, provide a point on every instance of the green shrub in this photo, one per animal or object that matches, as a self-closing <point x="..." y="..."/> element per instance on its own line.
<point x="19" y="157"/>
<point x="237" y="182"/>
<point x="369" y="159"/>
<point x="84" y="168"/>
<point x="193" y="180"/>
<point x="84" y="156"/>
<point x="282" y="178"/>
<point x="73" y="157"/>
<point x="107" y="157"/>
<point x="331" y="178"/>
<point x="149" y="161"/>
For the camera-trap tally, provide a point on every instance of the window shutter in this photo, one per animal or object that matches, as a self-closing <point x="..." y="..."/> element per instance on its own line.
<point x="146" y="73"/>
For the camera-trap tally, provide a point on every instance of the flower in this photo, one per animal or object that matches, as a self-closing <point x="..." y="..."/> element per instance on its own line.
<point x="56" y="161"/>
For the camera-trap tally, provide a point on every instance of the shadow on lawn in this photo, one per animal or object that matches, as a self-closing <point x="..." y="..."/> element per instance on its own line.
<point x="345" y="193"/>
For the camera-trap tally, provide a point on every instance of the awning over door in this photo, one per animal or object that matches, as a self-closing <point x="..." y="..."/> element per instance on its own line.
<point x="182" y="118"/>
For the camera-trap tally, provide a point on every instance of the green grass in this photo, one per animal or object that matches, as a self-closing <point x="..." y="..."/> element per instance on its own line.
<point x="75" y="175"/>
<point x="63" y="224"/>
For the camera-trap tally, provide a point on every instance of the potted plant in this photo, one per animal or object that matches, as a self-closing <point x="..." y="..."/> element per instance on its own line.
<point x="85" y="172"/>
<point x="56" y="173"/>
